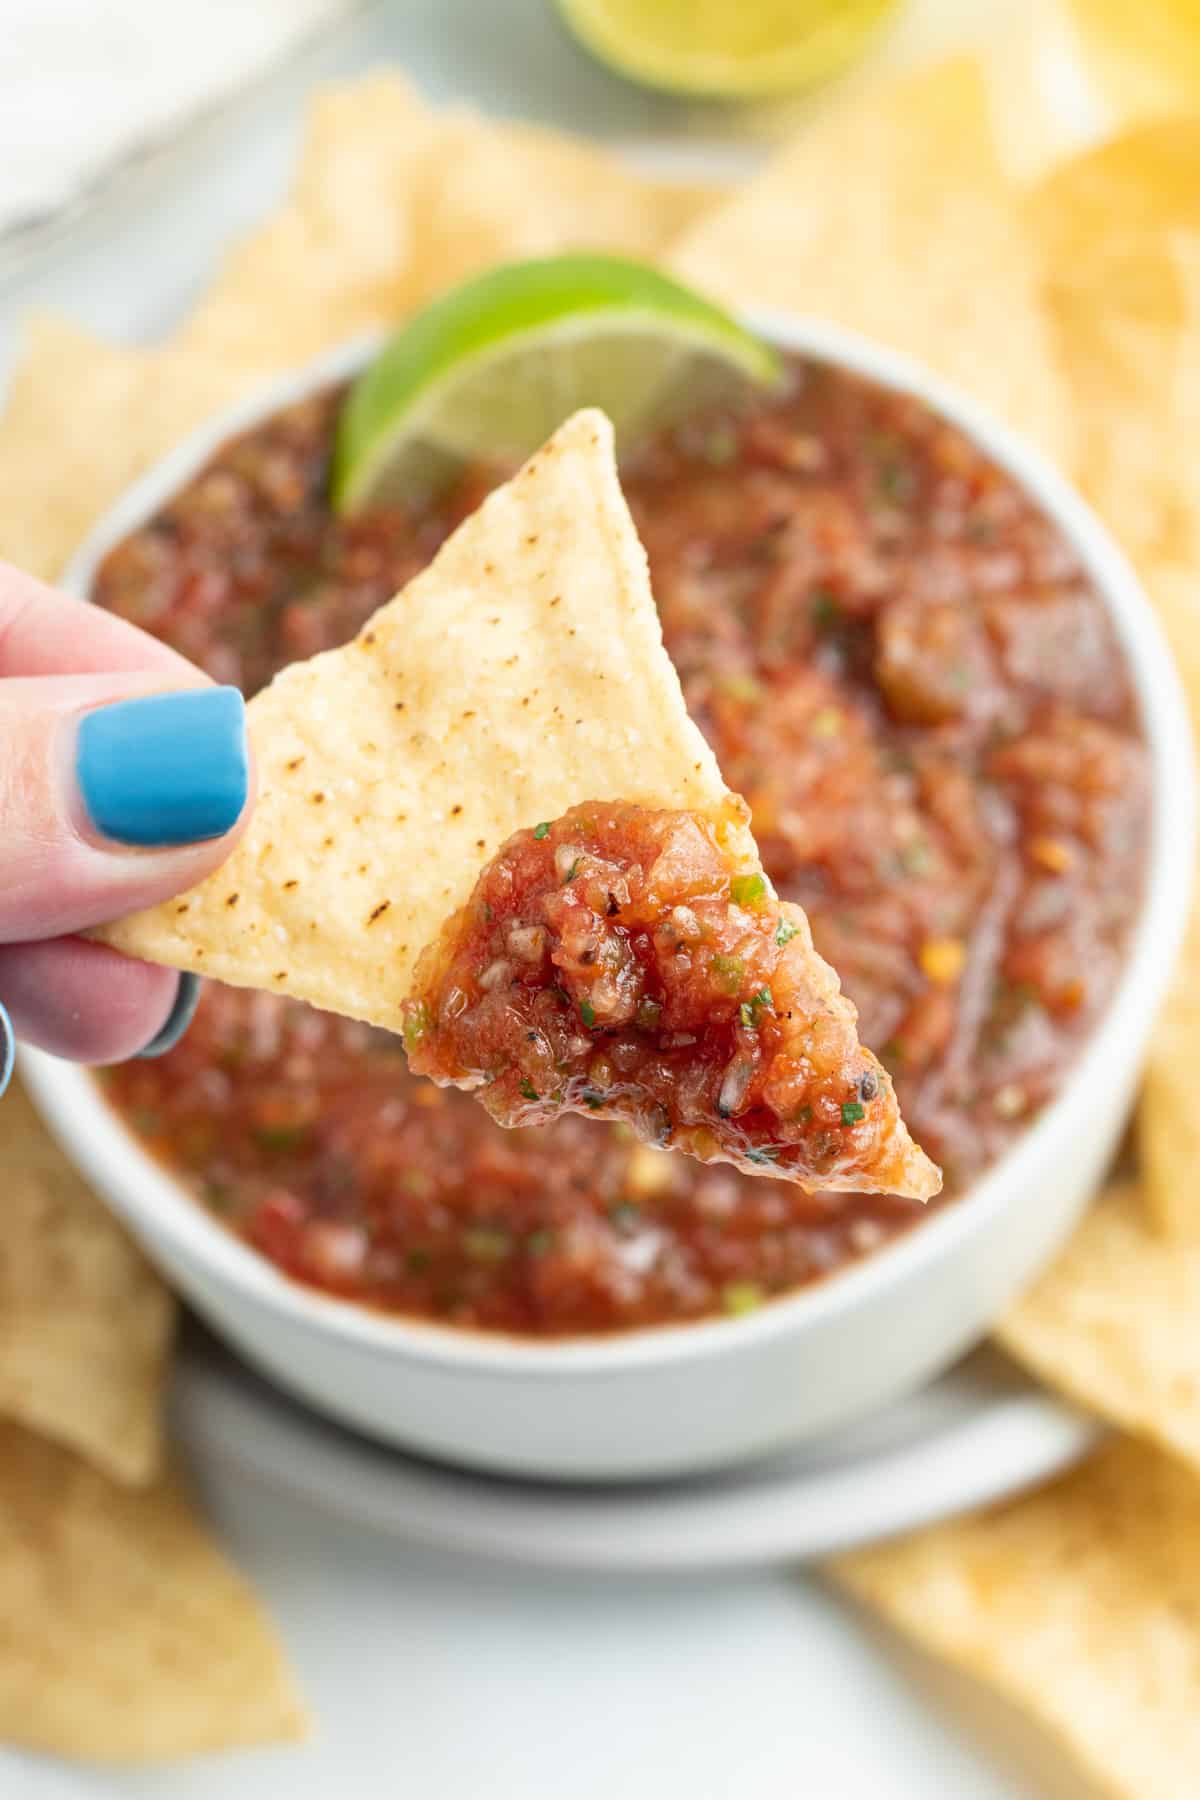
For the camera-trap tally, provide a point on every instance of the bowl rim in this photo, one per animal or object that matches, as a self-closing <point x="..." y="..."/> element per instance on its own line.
<point x="153" y="1203"/>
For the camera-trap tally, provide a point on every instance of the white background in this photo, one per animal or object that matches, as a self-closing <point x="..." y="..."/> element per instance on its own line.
<point x="432" y="1677"/>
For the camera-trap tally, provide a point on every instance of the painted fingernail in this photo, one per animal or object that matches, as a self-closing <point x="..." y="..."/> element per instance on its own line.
<point x="177" y="1020"/>
<point x="8" y="1047"/>
<point x="164" y="769"/>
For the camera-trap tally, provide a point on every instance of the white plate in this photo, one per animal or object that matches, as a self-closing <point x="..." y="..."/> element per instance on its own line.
<point x="979" y="1433"/>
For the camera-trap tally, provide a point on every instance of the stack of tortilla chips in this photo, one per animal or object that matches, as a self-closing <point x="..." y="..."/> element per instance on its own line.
<point x="1070" y="306"/>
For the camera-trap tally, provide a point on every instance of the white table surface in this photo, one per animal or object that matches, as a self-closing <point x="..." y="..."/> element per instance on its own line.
<point x="434" y="1678"/>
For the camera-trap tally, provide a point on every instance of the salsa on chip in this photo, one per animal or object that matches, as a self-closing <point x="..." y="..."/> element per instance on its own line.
<point x="634" y="964"/>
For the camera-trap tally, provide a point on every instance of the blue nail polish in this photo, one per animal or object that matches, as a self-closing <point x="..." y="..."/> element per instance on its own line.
<point x="165" y="769"/>
<point x="177" y="1020"/>
<point x="8" y="1045"/>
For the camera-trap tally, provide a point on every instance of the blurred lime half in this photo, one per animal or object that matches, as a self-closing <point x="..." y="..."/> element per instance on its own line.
<point x="726" y="49"/>
<point x="491" y="369"/>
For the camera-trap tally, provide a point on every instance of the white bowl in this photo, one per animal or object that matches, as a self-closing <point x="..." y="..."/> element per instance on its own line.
<point x="687" y="1397"/>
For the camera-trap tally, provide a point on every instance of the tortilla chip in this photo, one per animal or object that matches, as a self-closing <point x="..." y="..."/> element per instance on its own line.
<point x="392" y="201"/>
<point x="892" y="215"/>
<point x="1119" y="232"/>
<point x="85" y="1323"/>
<point x="343" y="246"/>
<point x="84" y="418"/>
<point x="1168" y="1118"/>
<point x="494" y="194"/>
<point x="1115" y="1324"/>
<point x="125" y="1635"/>
<point x="395" y="201"/>
<point x="1079" y="1603"/>
<point x="519" y="674"/>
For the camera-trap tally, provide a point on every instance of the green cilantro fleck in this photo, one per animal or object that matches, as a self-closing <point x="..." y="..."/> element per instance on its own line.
<point x="416" y="1023"/>
<point x="573" y="871"/>
<point x="542" y="831"/>
<point x="785" y="931"/>
<point x="528" y="1091"/>
<point x="279" y="1137"/>
<point x="587" y="1013"/>
<point x="761" y="1153"/>
<point x="593" y="1097"/>
<point x="852" y="1112"/>
<point x="625" y="1216"/>
<point x="825" y="610"/>
<point x="749" y="1010"/>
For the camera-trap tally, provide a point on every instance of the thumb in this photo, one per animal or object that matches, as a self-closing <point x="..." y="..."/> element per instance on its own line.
<point x="116" y="791"/>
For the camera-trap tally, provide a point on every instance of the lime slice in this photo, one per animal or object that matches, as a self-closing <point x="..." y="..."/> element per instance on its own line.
<point x="491" y="369"/>
<point x="728" y="49"/>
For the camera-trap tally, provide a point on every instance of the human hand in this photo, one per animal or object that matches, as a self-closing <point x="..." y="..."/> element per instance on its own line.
<point x="124" y="779"/>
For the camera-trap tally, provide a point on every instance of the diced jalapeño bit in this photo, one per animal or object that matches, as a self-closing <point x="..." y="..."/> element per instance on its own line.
<point x="749" y="1010"/>
<point x="852" y="1112"/>
<point x="749" y="891"/>
<point x="587" y="1013"/>
<point x="730" y="968"/>
<point x="542" y="830"/>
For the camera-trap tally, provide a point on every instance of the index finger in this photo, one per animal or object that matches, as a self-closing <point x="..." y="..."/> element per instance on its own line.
<point x="43" y="632"/>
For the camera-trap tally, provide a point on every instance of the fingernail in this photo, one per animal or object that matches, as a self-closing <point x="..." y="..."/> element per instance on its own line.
<point x="177" y="1020"/>
<point x="8" y="1048"/>
<point x="164" y="769"/>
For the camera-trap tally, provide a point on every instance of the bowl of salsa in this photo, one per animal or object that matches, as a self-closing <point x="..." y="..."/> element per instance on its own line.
<point x="951" y="712"/>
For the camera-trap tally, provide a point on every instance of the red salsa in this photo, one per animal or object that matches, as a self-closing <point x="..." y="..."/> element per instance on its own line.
<point x="628" y="963"/>
<point x="898" y="662"/>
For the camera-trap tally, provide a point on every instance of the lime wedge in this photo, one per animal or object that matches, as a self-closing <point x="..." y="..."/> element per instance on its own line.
<point x="491" y="369"/>
<point x="726" y="49"/>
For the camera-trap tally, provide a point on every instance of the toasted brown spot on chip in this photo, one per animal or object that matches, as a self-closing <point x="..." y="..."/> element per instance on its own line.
<point x="379" y="911"/>
<point x="232" y="899"/>
<point x="289" y="885"/>
<point x="294" y="764"/>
